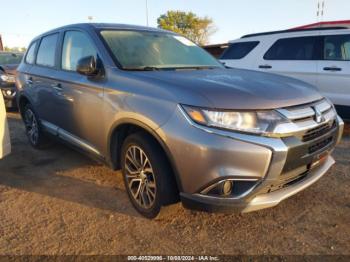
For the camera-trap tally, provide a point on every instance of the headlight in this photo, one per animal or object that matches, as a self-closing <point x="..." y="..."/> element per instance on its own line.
<point x="257" y="122"/>
<point x="4" y="78"/>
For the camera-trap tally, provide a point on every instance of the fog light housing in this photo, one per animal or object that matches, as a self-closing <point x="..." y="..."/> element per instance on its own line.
<point x="226" y="189"/>
<point x="230" y="188"/>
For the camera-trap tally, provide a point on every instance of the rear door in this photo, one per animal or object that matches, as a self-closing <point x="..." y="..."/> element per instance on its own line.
<point x="334" y="69"/>
<point x="294" y="57"/>
<point x="42" y="79"/>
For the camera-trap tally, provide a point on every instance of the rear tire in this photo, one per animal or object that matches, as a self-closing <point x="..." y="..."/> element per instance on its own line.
<point x="148" y="177"/>
<point x="36" y="136"/>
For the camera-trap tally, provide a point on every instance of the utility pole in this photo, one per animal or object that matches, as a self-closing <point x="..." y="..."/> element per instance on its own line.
<point x="147" y="13"/>
<point x="320" y="10"/>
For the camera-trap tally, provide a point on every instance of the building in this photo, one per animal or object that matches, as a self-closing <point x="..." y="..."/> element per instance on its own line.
<point x="216" y="50"/>
<point x="341" y="23"/>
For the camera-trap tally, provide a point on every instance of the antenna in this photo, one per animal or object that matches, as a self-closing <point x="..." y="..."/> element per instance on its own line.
<point x="147" y="13"/>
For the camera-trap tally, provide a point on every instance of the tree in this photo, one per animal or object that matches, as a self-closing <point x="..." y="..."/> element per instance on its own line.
<point x="188" y="24"/>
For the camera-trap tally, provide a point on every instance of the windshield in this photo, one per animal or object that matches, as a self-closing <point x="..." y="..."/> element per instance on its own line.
<point x="140" y="50"/>
<point x="10" y="58"/>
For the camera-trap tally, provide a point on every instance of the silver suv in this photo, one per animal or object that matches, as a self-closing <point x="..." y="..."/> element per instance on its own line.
<point x="175" y="121"/>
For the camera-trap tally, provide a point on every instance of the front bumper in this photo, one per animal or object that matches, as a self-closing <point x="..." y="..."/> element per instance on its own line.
<point x="260" y="201"/>
<point x="280" y="167"/>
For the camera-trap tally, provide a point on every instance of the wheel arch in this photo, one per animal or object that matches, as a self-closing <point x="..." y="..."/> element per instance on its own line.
<point x="125" y="127"/>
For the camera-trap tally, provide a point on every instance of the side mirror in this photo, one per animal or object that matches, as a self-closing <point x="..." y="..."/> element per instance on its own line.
<point x="88" y="66"/>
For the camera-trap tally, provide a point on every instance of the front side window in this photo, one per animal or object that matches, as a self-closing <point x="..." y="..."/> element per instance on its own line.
<point x="47" y="51"/>
<point x="337" y="47"/>
<point x="76" y="45"/>
<point x="239" y="50"/>
<point x="30" y="57"/>
<point x="297" y="48"/>
<point x="142" y="50"/>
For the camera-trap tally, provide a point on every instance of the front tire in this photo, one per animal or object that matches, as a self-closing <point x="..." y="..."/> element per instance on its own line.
<point x="148" y="177"/>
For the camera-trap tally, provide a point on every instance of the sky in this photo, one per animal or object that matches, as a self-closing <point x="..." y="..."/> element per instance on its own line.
<point x="22" y="20"/>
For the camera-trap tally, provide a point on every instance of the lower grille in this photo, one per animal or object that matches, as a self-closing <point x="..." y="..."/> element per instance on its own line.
<point x="320" y="145"/>
<point x="285" y="183"/>
<point x="318" y="131"/>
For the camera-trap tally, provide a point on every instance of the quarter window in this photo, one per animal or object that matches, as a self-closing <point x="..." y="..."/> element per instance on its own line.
<point x="76" y="46"/>
<point x="297" y="48"/>
<point x="239" y="50"/>
<point x="337" y="47"/>
<point x="30" y="57"/>
<point x="47" y="51"/>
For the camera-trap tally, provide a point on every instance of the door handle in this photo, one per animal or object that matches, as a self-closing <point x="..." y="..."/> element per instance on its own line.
<point x="265" y="66"/>
<point x="57" y="87"/>
<point x="29" y="81"/>
<point x="333" y="68"/>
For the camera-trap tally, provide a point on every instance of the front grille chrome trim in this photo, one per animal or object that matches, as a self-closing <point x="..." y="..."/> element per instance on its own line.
<point x="302" y="119"/>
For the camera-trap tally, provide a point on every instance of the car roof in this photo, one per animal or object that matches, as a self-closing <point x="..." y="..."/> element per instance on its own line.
<point x="294" y="31"/>
<point x="107" y="26"/>
<point x="288" y="32"/>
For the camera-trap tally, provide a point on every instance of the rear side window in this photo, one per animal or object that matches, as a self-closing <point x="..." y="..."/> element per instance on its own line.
<point x="239" y="50"/>
<point x="337" y="48"/>
<point x="30" y="57"/>
<point x="76" y="45"/>
<point x="47" y="51"/>
<point x="297" y="48"/>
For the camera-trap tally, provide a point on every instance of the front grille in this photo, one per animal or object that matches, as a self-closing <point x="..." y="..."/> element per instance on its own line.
<point x="318" y="131"/>
<point x="320" y="145"/>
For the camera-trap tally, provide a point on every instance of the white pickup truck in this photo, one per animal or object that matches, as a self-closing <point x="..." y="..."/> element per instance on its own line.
<point x="5" y="145"/>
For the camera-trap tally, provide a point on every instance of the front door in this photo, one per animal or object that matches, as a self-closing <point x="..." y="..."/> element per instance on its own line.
<point x="334" y="69"/>
<point x="81" y="107"/>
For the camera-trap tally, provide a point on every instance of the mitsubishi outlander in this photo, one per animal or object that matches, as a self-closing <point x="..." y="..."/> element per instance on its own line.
<point x="179" y="124"/>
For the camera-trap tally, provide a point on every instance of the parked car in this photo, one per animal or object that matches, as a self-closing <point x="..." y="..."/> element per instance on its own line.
<point x="8" y="64"/>
<point x="318" y="56"/>
<point x="175" y="120"/>
<point x="5" y="145"/>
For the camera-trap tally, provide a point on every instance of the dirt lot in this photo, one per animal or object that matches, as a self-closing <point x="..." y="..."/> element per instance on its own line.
<point x="59" y="202"/>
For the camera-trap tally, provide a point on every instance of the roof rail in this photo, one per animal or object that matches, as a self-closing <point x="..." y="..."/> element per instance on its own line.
<point x="296" y="30"/>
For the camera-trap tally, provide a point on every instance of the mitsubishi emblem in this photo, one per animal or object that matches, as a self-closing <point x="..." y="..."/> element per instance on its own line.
<point x="319" y="118"/>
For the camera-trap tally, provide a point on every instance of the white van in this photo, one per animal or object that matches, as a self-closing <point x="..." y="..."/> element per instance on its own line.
<point x="319" y="56"/>
<point x="5" y="145"/>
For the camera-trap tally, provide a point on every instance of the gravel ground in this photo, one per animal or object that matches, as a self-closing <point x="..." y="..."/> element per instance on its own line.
<point x="57" y="201"/>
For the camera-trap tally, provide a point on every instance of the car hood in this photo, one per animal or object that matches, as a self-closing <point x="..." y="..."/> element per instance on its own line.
<point x="235" y="88"/>
<point x="9" y="69"/>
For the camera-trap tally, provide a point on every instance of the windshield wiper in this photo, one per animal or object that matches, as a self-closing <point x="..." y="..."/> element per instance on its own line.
<point x="154" y="68"/>
<point x="195" y="67"/>
<point x="142" y="68"/>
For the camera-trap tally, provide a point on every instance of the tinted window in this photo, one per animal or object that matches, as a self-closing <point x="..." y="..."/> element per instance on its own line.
<point x="298" y="48"/>
<point x="337" y="47"/>
<point x="30" y="57"/>
<point x="76" y="46"/>
<point x="47" y="51"/>
<point x="239" y="50"/>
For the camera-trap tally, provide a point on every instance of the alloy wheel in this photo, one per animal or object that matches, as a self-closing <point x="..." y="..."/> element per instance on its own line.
<point x="31" y="125"/>
<point x="140" y="177"/>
